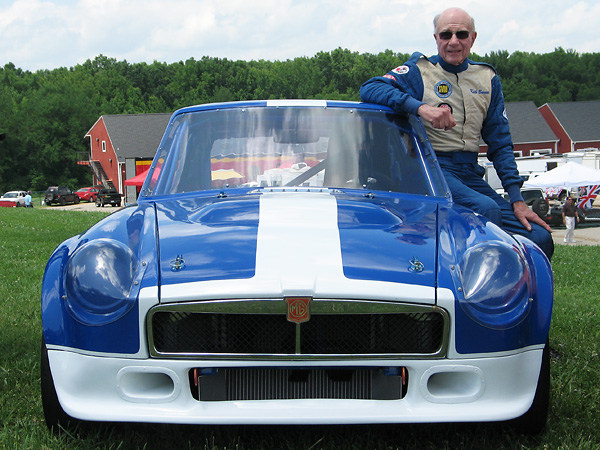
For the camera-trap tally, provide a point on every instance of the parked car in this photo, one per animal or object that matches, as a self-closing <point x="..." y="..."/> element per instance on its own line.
<point x="108" y="197"/>
<point x="296" y="262"/>
<point x="13" y="199"/>
<point x="60" y="195"/>
<point x="87" y="194"/>
<point x="536" y="200"/>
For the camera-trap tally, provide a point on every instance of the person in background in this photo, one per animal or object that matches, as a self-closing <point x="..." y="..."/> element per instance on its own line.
<point x="570" y="215"/>
<point x="460" y="102"/>
<point x="28" y="202"/>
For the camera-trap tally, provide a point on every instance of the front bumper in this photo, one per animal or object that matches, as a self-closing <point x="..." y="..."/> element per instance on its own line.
<point x="491" y="388"/>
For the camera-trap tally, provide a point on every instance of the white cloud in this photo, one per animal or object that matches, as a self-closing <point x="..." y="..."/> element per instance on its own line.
<point x="45" y="34"/>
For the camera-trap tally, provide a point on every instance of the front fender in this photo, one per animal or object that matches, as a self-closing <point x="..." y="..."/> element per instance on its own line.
<point x="134" y="227"/>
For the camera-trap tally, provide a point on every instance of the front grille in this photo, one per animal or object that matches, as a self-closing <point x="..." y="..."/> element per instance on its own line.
<point x="235" y="384"/>
<point x="194" y="329"/>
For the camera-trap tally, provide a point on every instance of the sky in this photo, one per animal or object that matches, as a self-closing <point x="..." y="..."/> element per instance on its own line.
<point x="48" y="34"/>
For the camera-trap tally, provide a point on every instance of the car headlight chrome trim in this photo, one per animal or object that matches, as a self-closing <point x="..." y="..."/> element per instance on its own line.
<point x="495" y="284"/>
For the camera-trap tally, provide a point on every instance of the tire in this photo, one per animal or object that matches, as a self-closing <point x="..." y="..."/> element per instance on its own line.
<point x="76" y="200"/>
<point x="62" y="201"/>
<point x="540" y="207"/>
<point x="534" y="420"/>
<point x="98" y="203"/>
<point x="56" y="418"/>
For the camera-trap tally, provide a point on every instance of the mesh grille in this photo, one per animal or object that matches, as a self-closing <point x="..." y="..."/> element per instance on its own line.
<point x="233" y="384"/>
<point x="176" y="332"/>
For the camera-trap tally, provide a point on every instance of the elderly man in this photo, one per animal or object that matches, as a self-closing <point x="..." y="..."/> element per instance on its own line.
<point x="460" y="101"/>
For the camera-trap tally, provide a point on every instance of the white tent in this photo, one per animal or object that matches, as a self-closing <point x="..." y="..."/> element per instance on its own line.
<point x="569" y="175"/>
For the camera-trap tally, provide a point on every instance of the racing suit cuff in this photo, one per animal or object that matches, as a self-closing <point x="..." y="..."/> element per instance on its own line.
<point x="514" y="192"/>
<point x="412" y="105"/>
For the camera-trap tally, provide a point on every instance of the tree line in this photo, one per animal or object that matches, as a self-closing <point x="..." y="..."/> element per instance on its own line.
<point x="45" y="114"/>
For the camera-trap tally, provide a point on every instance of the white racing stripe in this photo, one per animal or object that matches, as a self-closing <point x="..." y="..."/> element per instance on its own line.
<point x="298" y="240"/>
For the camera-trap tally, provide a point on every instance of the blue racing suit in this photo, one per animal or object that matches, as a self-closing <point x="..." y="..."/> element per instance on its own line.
<point x="473" y="93"/>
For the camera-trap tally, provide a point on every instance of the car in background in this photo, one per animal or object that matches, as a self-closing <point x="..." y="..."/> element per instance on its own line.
<point x="536" y="200"/>
<point x="60" y="195"/>
<point x="108" y="196"/>
<point x="87" y="194"/>
<point x="13" y="199"/>
<point x="296" y="262"/>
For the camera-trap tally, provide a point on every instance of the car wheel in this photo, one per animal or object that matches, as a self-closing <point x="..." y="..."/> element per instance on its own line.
<point x="534" y="420"/>
<point x="62" y="202"/>
<point x="92" y="199"/>
<point x="98" y="203"/>
<point x="55" y="416"/>
<point x="76" y="200"/>
<point x="540" y="207"/>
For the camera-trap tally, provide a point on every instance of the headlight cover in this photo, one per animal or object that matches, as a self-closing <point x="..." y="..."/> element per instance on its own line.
<point x="495" y="285"/>
<point x="100" y="282"/>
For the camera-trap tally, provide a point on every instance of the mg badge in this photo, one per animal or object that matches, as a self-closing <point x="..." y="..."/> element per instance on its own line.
<point x="416" y="265"/>
<point x="298" y="309"/>
<point x="177" y="264"/>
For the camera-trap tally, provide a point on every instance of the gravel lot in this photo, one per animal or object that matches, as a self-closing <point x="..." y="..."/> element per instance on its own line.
<point x="82" y="206"/>
<point x="584" y="235"/>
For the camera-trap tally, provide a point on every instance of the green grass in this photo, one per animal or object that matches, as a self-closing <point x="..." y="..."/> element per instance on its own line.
<point x="28" y="237"/>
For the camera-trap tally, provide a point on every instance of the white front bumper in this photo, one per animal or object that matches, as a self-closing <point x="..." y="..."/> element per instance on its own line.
<point x="132" y="390"/>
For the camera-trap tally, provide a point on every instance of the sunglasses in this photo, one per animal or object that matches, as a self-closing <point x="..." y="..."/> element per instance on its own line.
<point x="447" y="35"/>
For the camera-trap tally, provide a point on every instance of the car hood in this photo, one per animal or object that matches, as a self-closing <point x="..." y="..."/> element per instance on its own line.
<point x="296" y="243"/>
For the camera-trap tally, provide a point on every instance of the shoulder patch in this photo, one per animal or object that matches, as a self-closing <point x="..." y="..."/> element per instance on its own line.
<point x="401" y="70"/>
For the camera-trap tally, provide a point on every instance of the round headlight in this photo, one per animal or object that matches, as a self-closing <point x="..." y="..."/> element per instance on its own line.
<point x="496" y="285"/>
<point x="99" y="278"/>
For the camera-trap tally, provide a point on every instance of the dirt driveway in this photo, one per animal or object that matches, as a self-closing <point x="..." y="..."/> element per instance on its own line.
<point x="81" y="206"/>
<point x="584" y="235"/>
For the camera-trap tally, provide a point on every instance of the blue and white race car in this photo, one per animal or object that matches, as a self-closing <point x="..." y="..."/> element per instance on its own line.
<point x="296" y="262"/>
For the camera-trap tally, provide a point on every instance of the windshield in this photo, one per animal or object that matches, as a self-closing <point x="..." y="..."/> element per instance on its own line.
<point x="290" y="147"/>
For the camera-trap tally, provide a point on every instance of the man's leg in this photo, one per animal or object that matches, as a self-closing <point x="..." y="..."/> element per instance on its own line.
<point x="464" y="194"/>
<point x="570" y="234"/>
<point x="469" y="189"/>
<point x="538" y="234"/>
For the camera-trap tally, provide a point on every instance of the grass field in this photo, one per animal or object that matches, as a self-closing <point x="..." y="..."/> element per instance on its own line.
<point x="27" y="238"/>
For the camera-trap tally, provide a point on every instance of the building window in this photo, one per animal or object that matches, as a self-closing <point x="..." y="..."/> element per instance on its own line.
<point x="104" y="146"/>
<point x="541" y="152"/>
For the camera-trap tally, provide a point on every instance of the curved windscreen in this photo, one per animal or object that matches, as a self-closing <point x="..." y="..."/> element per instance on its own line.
<point x="264" y="147"/>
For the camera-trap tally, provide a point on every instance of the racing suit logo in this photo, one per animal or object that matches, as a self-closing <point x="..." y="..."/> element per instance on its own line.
<point x="443" y="89"/>
<point x="401" y="70"/>
<point x="447" y="106"/>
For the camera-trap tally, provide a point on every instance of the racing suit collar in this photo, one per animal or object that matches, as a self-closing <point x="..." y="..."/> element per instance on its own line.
<point x="451" y="67"/>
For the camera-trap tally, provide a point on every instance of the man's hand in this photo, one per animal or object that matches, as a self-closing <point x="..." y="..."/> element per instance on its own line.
<point x="526" y="215"/>
<point x="440" y="118"/>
